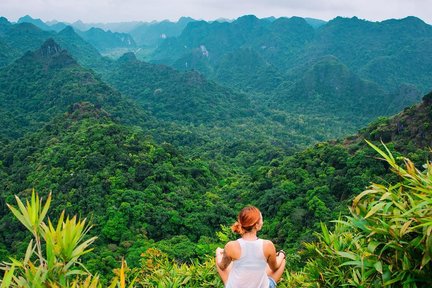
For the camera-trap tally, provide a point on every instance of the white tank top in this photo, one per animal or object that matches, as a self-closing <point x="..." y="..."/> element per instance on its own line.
<point x="249" y="271"/>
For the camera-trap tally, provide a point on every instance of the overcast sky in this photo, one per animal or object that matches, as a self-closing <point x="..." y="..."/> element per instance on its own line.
<point x="91" y="11"/>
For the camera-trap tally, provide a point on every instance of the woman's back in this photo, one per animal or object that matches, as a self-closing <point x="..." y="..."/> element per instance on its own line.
<point x="249" y="270"/>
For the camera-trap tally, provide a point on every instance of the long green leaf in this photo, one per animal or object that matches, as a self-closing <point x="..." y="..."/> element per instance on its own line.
<point x="7" y="277"/>
<point x="349" y="255"/>
<point x="21" y="217"/>
<point x="45" y="209"/>
<point x="375" y="209"/>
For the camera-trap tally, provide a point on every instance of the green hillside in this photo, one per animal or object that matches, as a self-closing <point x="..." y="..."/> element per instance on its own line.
<point x="215" y="120"/>
<point x="25" y="36"/>
<point x="288" y="61"/>
<point x="105" y="41"/>
<point x="151" y="34"/>
<point x="170" y="95"/>
<point x="134" y="190"/>
<point x="138" y="192"/>
<point x="44" y="83"/>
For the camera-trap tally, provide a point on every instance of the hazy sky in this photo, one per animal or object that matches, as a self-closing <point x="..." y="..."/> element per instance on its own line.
<point x="147" y="10"/>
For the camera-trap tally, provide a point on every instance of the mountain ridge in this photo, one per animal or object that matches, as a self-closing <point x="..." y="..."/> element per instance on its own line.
<point x="46" y="82"/>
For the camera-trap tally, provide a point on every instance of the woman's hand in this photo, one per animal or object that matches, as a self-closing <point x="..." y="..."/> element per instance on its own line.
<point x="280" y="257"/>
<point x="281" y="254"/>
<point x="219" y="254"/>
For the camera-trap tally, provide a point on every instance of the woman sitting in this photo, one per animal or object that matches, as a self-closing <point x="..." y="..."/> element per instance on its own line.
<point x="249" y="262"/>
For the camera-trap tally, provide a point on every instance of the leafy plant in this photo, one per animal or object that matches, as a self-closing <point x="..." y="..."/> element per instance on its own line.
<point x="59" y="265"/>
<point x="157" y="270"/>
<point x="386" y="242"/>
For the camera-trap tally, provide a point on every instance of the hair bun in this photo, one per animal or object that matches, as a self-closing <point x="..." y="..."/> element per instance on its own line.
<point x="237" y="228"/>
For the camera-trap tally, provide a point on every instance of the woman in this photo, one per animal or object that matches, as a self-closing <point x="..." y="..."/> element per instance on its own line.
<point x="249" y="262"/>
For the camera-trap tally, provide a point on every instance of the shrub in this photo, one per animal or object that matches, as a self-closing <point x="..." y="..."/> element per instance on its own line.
<point x="385" y="242"/>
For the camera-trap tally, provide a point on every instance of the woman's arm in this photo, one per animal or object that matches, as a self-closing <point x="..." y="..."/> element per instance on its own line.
<point x="273" y="260"/>
<point x="222" y="258"/>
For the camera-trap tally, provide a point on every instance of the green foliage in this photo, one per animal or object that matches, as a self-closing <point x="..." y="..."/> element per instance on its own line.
<point x="46" y="83"/>
<point x="172" y="95"/>
<point x="157" y="270"/>
<point x="59" y="266"/>
<point x="385" y="242"/>
<point x="135" y="190"/>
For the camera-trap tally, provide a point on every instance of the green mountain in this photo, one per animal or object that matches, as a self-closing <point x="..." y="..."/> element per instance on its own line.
<point x="45" y="83"/>
<point x="176" y="96"/>
<point x="151" y="34"/>
<point x="290" y="42"/>
<point x="246" y="69"/>
<point x="25" y="36"/>
<point x="37" y="22"/>
<point x="205" y="113"/>
<point x="217" y="38"/>
<point x="22" y="37"/>
<point x="135" y="190"/>
<point x="289" y="62"/>
<point x="121" y="27"/>
<point x="86" y="54"/>
<point x="374" y="49"/>
<point x="106" y="40"/>
<point x="329" y="87"/>
<point x="315" y="22"/>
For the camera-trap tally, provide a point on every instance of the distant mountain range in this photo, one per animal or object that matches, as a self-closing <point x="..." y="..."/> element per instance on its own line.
<point x="347" y="70"/>
<point x="291" y="62"/>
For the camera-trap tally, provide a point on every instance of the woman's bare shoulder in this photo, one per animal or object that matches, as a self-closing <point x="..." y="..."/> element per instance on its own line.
<point x="233" y="250"/>
<point x="268" y="242"/>
<point x="232" y="245"/>
<point x="268" y="245"/>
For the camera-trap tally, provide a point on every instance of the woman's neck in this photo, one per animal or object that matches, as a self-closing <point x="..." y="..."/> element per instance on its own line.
<point x="252" y="235"/>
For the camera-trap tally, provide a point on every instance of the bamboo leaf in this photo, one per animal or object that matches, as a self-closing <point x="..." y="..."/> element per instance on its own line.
<point x="356" y="263"/>
<point x="375" y="209"/>
<point x="45" y="208"/>
<point x="114" y="282"/>
<point x="404" y="228"/>
<point x="21" y="217"/>
<point x="7" y="277"/>
<point x="29" y="252"/>
<point x="389" y="158"/>
<point x="360" y="196"/>
<point x="348" y="255"/>
<point x="326" y="234"/>
<point x="425" y="260"/>
<point x="378" y="267"/>
<point x="373" y="245"/>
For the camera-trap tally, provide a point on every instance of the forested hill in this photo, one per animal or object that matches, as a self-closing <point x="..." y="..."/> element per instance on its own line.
<point x="345" y="62"/>
<point x="141" y="194"/>
<point x="370" y="49"/>
<point x="408" y="130"/>
<point x="287" y="68"/>
<point x="135" y="190"/>
<point x="172" y="95"/>
<point x="44" y="83"/>
<point x="318" y="182"/>
<point x="23" y="37"/>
